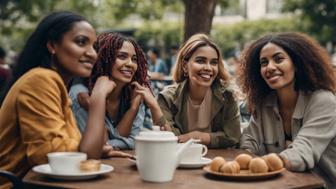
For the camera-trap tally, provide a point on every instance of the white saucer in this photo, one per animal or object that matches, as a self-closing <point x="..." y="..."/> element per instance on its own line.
<point x="204" y="161"/>
<point x="46" y="170"/>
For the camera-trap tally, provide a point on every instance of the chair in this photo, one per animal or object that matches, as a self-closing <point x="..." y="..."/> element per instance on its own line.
<point x="17" y="183"/>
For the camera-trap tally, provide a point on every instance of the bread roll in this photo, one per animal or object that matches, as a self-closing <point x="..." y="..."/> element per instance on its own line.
<point x="273" y="161"/>
<point x="258" y="165"/>
<point x="243" y="160"/>
<point x="231" y="167"/>
<point x="90" y="165"/>
<point x="216" y="163"/>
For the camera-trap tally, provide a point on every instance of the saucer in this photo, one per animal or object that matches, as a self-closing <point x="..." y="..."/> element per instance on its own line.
<point x="204" y="161"/>
<point x="46" y="170"/>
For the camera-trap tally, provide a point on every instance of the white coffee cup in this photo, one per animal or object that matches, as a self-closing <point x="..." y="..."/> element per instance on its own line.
<point x="66" y="162"/>
<point x="194" y="153"/>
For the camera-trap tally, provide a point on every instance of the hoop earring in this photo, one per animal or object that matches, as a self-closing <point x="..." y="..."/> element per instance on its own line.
<point x="185" y="74"/>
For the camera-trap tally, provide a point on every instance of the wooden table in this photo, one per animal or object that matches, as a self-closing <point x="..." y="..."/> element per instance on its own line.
<point x="126" y="175"/>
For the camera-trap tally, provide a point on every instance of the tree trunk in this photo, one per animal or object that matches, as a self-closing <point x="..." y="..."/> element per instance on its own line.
<point x="198" y="16"/>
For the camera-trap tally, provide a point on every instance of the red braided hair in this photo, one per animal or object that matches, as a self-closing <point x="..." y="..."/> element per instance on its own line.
<point x="107" y="47"/>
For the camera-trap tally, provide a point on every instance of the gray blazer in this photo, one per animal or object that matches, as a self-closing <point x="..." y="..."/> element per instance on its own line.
<point x="313" y="133"/>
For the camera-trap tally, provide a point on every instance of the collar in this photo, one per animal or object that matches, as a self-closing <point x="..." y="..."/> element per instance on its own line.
<point x="272" y="101"/>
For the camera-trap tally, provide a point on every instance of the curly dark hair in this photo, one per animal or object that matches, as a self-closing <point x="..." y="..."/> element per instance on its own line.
<point x="107" y="46"/>
<point x="311" y="61"/>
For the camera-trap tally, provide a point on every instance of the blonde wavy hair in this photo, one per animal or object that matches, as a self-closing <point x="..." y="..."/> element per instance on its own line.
<point x="187" y="50"/>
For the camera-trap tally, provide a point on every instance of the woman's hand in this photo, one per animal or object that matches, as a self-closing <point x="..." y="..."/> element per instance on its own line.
<point x="83" y="99"/>
<point x="145" y="93"/>
<point x="103" y="86"/>
<point x="204" y="137"/>
<point x="109" y="151"/>
<point x="148" y="97"/>
<point x="93" y="138"/>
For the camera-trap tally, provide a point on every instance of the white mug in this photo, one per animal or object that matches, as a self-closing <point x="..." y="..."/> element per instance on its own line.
<point x="66" y="162"/>
<point x="194" y="153"/>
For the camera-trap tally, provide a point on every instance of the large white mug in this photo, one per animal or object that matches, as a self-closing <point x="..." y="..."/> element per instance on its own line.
<point x="66" y="162"/>
<point x="157" y="155"/>
<point x="194" y="153"/>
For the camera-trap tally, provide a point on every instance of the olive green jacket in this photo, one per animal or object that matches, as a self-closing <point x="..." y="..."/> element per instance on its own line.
<point x="225" y="125"/>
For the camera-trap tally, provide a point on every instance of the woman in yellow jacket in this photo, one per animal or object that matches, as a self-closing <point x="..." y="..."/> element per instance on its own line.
<point x="35" y="115"/>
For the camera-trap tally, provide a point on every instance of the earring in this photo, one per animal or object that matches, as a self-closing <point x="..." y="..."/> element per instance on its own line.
<point x="185" y="74"/>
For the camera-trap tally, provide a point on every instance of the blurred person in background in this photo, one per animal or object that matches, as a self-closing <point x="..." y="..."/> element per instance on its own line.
<point x="156" y="66"/>
<point x="5" y="71"/>
<point x="172" y="59"/>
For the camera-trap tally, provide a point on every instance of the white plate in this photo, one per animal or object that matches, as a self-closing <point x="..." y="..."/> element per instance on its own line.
<point x="46" y="170"/>
<point x="204" y="161"/>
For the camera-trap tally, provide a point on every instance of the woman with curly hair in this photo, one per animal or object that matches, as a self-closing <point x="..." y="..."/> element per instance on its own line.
<point x="120" y="59"/>
<point x="290" y="87"/>
<point x="200" y="105"/>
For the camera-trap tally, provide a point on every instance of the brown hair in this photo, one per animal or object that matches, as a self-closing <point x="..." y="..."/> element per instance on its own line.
<point x="313" y="70"/>
<point x="107" y="46"/>
<point x="187" y="50"/>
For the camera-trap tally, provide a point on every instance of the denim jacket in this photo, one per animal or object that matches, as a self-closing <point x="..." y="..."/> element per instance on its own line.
<point x="225" y="125"/>
<point x="114" y="137"/>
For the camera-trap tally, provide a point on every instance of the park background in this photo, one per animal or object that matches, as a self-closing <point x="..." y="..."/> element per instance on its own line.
<point x="165" y="23"/>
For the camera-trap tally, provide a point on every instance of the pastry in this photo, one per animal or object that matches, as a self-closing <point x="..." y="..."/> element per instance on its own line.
<point x="243" y="160"/>
<point x="90" y="165"/>
<point x="231" y="167"/>
<point x="216" y="163"/>
<point x="258" y="165"/>
<point x="273" y="161"/>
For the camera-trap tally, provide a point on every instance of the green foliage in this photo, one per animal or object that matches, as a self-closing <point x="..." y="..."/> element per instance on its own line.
<point x="228" y="37"/>
<point x="234" y="37"/>
<point x="148" y="9"/>
<point x="154" y="35"/>
<point x="19" y="17"/>
<point x="315" y="17"/>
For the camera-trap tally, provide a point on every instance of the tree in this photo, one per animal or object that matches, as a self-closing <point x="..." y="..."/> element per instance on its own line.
<point x="316" y="17"/>
<point x="19" y="17"/>
<point x="198" y="16"/>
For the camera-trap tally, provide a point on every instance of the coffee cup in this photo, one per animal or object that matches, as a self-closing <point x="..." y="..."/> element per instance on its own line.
<point x="194" y="153"/>
<point x="66" y="162"/>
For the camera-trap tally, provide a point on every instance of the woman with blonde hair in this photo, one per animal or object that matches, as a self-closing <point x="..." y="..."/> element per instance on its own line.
<point x="199" y="105"/>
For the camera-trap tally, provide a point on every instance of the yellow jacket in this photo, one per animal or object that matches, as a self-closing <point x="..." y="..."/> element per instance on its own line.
<point x="35" y="119"/>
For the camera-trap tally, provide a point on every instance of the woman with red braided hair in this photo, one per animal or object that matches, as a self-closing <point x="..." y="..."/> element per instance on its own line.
<point x="122" y="60"/>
